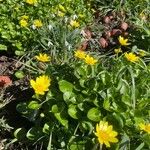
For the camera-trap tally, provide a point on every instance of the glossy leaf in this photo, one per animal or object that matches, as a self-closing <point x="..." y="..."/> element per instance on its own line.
<point x="34" y="105"/>
<point x="94" y="114"/>
<point x="65" y="86"/>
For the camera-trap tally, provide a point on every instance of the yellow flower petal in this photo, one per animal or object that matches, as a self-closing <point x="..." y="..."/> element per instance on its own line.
<point x="23" y="23"/>
<point x="118" y="50"/>
<point x="32" y="82"/>
<point x="62" y="8"/>
<point x="105" y="133"/>
<point x="43" y="57"/>
<point x="122" y="41"/>
<point x="37" y="23"/>
<point x="80" y="54"/>
<point x="131" y="57"/>
<point x="41" y="84"/>
<point x="90" y="60"/>
<point x="31" y="2"/>
<point x="113" y="140"/>
<point x="25" y="17"/>
<point x="145" y="127"/>
<point x="74" y="23"/>
<point x="107" y="143"/>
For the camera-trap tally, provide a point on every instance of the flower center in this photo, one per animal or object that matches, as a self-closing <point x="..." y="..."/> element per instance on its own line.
<point x="104" y="135"/>
<point x="39" y="88"/>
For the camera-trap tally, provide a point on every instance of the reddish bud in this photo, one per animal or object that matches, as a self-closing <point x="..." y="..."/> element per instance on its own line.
<point x="124" y="26"/>
<point x="5" y="81"/>
<point x="116" y="32"/>
<point x="103" y="42"/>
<point x="106" y="20"/>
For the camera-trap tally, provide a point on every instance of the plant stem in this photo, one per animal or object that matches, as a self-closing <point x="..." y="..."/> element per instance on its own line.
<point x="101" y="147"/>
<point x="50" y="141"/>
<point x="93" y="71"/>
<point x="76" y="129"/>
<point x="133" y="88"/>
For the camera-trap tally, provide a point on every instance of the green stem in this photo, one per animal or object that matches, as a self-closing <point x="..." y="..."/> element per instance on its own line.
<point x="71" y="139"/>
<point x="50" y="142"/>
<point x="44" y="102"/>
<point x="76" y="129"/>
<point x="93" y="71"/>
<point x="101" y="147"/>
<point x="133" y="88"/>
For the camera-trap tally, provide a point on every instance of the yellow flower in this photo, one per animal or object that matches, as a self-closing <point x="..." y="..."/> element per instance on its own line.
<point x="25" y="17"/>
<point x="62" y="8"/>
<point x="43" y="57"/>
<point x="143" y="16"/>
<point x="105" y="133"/>
<point x="145" y="127"/>
<point x="80" y="54"/>
<point x="122" y="41"/>
<point x="31" y="2"/>
<point x="41" y="84"/>
<point x="23" y="23"/>
<point x="37" y="23"/>
<point x="60" y="14"/>
<point x="142" y="53"/>
<point x="74" y="23"/>
<point x="81" y="16"/>
<point x="90" y="60"/>
<point x="118" y="50"/>
<point x="131" y="57"/>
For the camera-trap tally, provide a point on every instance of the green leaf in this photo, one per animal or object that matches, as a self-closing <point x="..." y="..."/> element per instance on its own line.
<point x="94" y="114"/>
<point x="61" y="119"/>
<point x="87" y="126"/>
<point x="106" y="104"/>
<point x="72" y="111"/>
<point x="34" y="105"/>
<point x="22" y="108"/>
<point x="20" y="133"/>
<point x="19" y="74"/>
<point x="30" y="135"/>
<point x="65" y="86"/>
<point x="67" y="96"/>
<point x="6" y="35"/>
<point x="19" y="53"/>
<point x="105" y="77"/>
<point x="140" y="146"/>
<point x="91" y="84"/>
<point x="27" y="112"/>
<point x="119" y="119"/>
<point x="19" y="45"/>
<point x="82" y="82"/>
<point x="125" y="142"/>
<point x="47" y="128"/>
<point x="3" y="47"/>
<point x="127" y="100"/>
<point x="146" y="139"/>
<point x="34" y="134"/>
<point x="80" y="72"/>
<point x="55" y="108"/>
<point x="123" y="86"/>
<point x="49" y="95"/>
<point x="77" y="146"/>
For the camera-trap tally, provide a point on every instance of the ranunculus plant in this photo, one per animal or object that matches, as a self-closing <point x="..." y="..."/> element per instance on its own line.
<point x="90" y="103"/>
